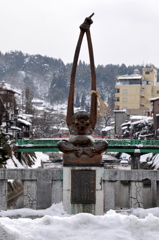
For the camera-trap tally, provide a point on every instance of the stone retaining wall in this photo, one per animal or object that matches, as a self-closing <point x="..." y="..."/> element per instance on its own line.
<point x="42" y="187"/>
<point x="123" y="189"/>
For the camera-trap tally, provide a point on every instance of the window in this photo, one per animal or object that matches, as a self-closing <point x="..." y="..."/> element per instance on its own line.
<point x="117" y="90"/>
<point x="158" y="92"/>
<point x="3" y="92"/>
<point x="124" y="99"/>
<point x="125" y="90"/>
<point x="8" y="104"/>
<point x="117" y="99"/>
<point x="135" y="81"/>
<point x="147" y="72"/>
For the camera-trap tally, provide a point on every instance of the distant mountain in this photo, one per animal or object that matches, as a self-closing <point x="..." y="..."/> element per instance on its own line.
<point x="34" y="71"/>
<point x="49" y="78"/>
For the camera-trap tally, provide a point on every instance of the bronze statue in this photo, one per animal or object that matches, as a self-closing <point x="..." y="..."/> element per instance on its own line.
<point x="81" y="147"/>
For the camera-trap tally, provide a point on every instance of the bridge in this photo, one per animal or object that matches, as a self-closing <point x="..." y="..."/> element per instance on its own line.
<point x="115" y="145"/>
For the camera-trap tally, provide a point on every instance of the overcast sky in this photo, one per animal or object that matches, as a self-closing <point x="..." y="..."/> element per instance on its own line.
<point x="123" y="31"/>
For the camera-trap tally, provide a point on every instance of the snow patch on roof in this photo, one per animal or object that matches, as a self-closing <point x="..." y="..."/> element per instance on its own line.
<point x="107" y="128"/>
<point x="24" y="122"/>
<point x="125" y="124"/>
<point x="119" y="110"/>
<point x="6" y="86"/>
<point x="137" y="117"/>
<point x="15" y="128"/>
<point x="132" y="76"/>
<point x="153" y="99"/>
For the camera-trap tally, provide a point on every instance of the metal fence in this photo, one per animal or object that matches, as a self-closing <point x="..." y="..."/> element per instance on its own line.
<point x="112" y="142"/>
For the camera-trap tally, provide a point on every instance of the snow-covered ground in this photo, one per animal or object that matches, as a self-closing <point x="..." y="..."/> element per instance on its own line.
<point x="15" y="163"/>
<point x="55" y="223"/>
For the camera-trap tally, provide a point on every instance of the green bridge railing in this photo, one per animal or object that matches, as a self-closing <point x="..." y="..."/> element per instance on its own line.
<point x="115" y="145"/>
<point x="112" y="142"/>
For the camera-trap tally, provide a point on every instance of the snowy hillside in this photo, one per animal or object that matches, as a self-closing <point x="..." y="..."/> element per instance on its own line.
<point x="49" y="78"/>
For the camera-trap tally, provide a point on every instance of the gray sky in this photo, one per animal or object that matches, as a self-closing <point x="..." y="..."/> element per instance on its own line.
<point x="123" y="31"/>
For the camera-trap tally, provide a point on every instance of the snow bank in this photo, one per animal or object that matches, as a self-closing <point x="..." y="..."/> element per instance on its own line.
<point x="56" y="224"/>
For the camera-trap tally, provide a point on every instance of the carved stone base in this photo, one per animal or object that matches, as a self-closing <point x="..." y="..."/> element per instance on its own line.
<point x="83" y="189"/>
<point x="72" y="158"/>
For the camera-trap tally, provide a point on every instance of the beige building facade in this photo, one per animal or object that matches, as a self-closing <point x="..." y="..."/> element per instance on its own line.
<point x="132" y="92"/>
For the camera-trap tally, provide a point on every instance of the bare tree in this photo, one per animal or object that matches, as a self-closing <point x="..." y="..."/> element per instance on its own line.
<point x="28" y="97"/>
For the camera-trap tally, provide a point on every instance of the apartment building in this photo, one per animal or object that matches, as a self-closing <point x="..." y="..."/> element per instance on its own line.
<point x="132" y="92"/>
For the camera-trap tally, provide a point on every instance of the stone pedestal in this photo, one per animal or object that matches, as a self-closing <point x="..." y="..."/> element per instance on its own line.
<point x="83" y="188"/>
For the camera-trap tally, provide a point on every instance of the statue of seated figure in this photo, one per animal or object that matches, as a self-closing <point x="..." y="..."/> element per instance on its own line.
<point x="81" y="147"/>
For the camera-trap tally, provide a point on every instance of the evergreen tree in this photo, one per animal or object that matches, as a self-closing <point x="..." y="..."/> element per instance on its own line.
<point x="83" y="101"/>
<point x="3" y="149"/>
<point x="28" y="97"/>
<point x="77" y="101"/>
<point x="58" y="89"/>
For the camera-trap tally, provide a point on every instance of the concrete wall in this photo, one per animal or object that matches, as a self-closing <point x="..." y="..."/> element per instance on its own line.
<point x="120" y="117"/>
<point x="122" y="189"/>
<point x="130" y="189"/>
<point x="42" y="187"/>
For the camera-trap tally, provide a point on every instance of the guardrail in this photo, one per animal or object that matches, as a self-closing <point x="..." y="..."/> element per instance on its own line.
<point x="133" y="142"/>
<point x="112" y="142"/>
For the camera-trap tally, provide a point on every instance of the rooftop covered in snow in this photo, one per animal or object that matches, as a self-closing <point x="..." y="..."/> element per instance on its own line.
<point x="132" y="76"/>
<point x="8" y="87"/>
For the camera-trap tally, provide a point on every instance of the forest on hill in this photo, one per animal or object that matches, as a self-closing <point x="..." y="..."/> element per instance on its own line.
<point x="49" y="78"/>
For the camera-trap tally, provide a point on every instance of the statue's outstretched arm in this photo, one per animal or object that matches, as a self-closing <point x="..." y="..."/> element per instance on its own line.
<point x="93" y="111"/>
<point x="70" y="107"/>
